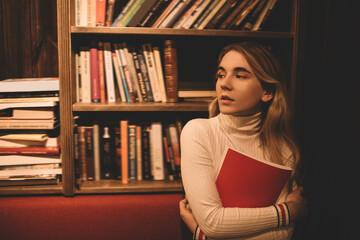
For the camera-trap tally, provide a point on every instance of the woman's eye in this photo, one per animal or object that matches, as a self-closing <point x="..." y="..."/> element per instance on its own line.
<point x="240" y="76"/>
<point x="220" y="76"/>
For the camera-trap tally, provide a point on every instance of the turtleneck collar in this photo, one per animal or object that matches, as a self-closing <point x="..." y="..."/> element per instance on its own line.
<point x="248" y="125"/>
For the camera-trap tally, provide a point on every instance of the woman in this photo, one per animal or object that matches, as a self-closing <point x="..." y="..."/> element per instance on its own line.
<point x="249" y="115"/>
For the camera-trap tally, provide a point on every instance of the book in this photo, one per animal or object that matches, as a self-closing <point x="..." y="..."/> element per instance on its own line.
<point x="195" y="14"/>
<point x="85" y="74"/>
<point x="118" y="152"/>
<point x="171" y="71"/>
<point x="121" y="82"/>
<point x="109" y="12"/>
<point x="186" y="14"/>
<point x="128" y="14"/>
<point x="145" y="147"/>
<point x="29" y="181"/>
<point x="238" y="21"/>
<point x="254" y="15"/>
<point x="100" y="13"/>
<point x="150" y="64"/>
<point x="91" y="20"/>
<point x="153" y="13"/>
<point x="132" y="152"/>
<point x="145" y="7"/>
<point x="15" y="159"/>
<point x="247" y="182"/>
<point x="221" y="15"/>
<point x="175" y="145"/>
<point x="124" y="151"/>
<point x="109" y="75"/>
<point x="175" y="14"/>
<point x="165" y="13"/>
<point x="227" y="22"/>
<point x="196" y="93"/>
<point x="208" y="14"/>
<point x="133" y="73"/>
<point x="34" y="170"/>
<point x="31" y="99"/>
<point x="145" y="75"/>
<point x="126" y="71"/>
<point x="89" y="146"/>
<point x="28" y="141"/>
<point x="28" y="124"/>
<point x="29" y="150"/>
<point x="160" y="74"/>
<point x="102" y="84"/>
<point x="139" y="153"/>
<point x="96" y="152"/>
<point x="83" y="12"/>
<point x="263" y="15"/>
<point x="94" y="72"/>
<point x="29" y="84"/>
<point x="35" y="94"/>
<point x="142" y="94"/>
<point x="41" y="137"/>
<point x="156" y="151"/>
<point x="33" y="113"/>
<point x="107" y="150"/>
<point x="27" y="104"/>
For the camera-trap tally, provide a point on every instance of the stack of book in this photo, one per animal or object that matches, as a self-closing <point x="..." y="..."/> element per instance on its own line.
<point x="186" y="14"/>
<point x="114" y="72"/>
<point x="29" y="139"/>
<point x="128" y="151"/>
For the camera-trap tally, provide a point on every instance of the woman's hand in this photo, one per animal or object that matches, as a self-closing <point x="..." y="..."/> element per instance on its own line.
<point x="187" y="216"/>
<point x="297" y="204"/>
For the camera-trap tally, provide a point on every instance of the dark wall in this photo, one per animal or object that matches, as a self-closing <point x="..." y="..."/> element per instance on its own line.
<point x="329" y="126"/>
<point x="28" y="38"/>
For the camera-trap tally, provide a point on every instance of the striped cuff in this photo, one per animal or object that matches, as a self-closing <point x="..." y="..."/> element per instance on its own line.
<point x="199" y="235"/>
<point x="283" y="214"/>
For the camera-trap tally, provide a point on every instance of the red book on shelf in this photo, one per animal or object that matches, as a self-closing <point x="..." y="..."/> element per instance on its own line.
<point x="247" y="182"/>
<point x="94" y="66"/>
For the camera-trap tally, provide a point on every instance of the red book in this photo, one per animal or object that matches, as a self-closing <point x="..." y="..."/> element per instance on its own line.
<point x="247" y="182"/>
<point x="94" y="66"/>
<point x="29" y="150"/>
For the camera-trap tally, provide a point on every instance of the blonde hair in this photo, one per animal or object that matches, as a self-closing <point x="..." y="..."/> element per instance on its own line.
<point x="275" y="131"/>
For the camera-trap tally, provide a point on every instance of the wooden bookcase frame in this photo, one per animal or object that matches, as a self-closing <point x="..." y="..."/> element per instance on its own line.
<point x="68" y="104"/>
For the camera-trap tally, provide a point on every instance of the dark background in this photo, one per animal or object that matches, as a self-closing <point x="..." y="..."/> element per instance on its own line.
<point x="327" y="109"/>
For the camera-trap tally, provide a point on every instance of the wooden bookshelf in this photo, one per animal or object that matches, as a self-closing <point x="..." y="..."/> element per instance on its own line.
<point x="284" y="40"/>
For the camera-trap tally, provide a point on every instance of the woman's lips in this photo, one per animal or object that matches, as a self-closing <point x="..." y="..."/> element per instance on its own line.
<point x="226" y="99"/>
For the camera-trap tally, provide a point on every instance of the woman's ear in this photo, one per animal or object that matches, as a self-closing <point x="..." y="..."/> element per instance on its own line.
<point x="267" y="96"/>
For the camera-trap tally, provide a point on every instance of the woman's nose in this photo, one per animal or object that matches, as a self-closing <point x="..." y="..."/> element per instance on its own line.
<point x="225" y="83"/>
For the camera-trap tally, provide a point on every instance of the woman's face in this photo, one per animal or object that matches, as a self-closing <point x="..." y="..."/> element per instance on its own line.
<point x="239" y="91"/>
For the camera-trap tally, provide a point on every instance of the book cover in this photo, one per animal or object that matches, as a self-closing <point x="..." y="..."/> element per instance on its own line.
<point x="85" y="74"/>
<point x="175" y="145"/>
<point x="27" y="104"/>
<point x="121" y="82"/>
<point x="150" y="64"/>
<point x="34" y="113"/>
<point x="142" y="94"/>
<point x="155" y="11"/>
<point x="145" y="75"/>
<point x="247" y="182"/>
<point x="171" y="71"/>
<point x="133" y="74"/>
<point x="28" y="124"/>
<point x="160" y="73"/>
<point x="16" y="159"/>
<point x="83" y="12"/>
<point x="29" y="84"/>
<point x="101" y="72"/>
<point x="109" y="12"/>
<point x="175" y="14"/>
<point x="180" y="21"/>
<point x="29" y="150"/>
<point x="165" y="13"/>
<point x="145" y="147"/>
<point x="145" y="7"/>
<point x="91" y="21"/>
<point x="94" y="72"/>
<point x="126" y="71"/>
<point x="195" y="14"/>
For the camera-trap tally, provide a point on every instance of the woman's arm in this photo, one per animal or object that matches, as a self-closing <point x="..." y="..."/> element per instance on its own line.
<point x="199" y="182"/>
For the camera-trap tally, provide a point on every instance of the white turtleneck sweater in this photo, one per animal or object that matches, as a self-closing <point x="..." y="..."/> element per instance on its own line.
<point x="203" y="142"/>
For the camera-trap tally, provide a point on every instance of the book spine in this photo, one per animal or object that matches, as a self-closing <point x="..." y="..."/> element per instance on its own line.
<point x="122" y="13"/>
<point x="159" y="71"/>
<point x="77" y="12"/>
<point x="101" y="72"/>
<point x="127" y="76"/>
<point x="90" y="171"/>
<point x="144" y="71"/>
<point x="145" y="7"/>
<point x="129" y="13"/>
<point x="132" y="71"/>
<point x="96" y="152"/>
<point x="78" y="76"/>
<point x="94" y="73"/>
<point x="124" y="151"/>
<point x="186" y="15"/>
<point x="132" y="152"/>
<point x="82" y="153"/>
<point x="171" y="72"/>
<point x="91" y="13"/>
<point x="107" y="152"/>
<point x="221" y="14"/>
<point x="100" y="13"/>
<point x="247" y="9"/>
<point x="29" y="150"/>
<point x="83" y="12"/>
<point x="255" y="14"/>
<point x="110" y="84"/>
<point x="175" y="143"/>
<point x="227" y="22"/>
<point x="138" y="153"/>
<point x="150" y="64"/>
<point x="140" y="77"/>
<point x="156" y="151"/>
<point x="261" y="17"/>
<point x="85" y="75"/>
<point x="154" y="12"/>
<point x="206" y="13"/>
<point x="195" y="14"/>
<point x="146" y="162"/>
<point x="165" y="13"/>
<point x="119" y="78"/>
<point x="211" y="15"/>
<point x="109" y="12"/>
<point x="118" y="152"/>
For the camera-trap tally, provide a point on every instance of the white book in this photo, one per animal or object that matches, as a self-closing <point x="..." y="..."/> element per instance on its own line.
<point x="118" y="76"/>
<point x="30" y="84"/>
<point x="174" y="14"/>
<point x="48" y="142"/>
<point x="25" y="137"/>
<point x="91" y="13"/>
<point x="83" y="12"/>
<point x="23" y="172"/>
<point x="125" y="66"/>
<point x="109" y="75"/>
<point x="165" y="13"/>
<point x="11" y="160"/>
<point x="77" y="12"/>
<point x="150" y="64"/>
<point x="156" y="151"/>
<point x="211" y="15"/>
<point x="195" y="14"/>
<point x="27" y="104"/>
<point x="85" y="74"/>
<point x="160" y="73"/>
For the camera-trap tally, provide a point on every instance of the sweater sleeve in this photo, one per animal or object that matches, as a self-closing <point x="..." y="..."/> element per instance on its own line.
<point x="215" y="221"/>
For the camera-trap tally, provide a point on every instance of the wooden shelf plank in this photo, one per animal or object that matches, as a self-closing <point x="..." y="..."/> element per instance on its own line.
<point x="179" y="32"/>
<point x="174" y="107"/>
<point x="115" y="186"/>
<point x="33" y="190"/>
